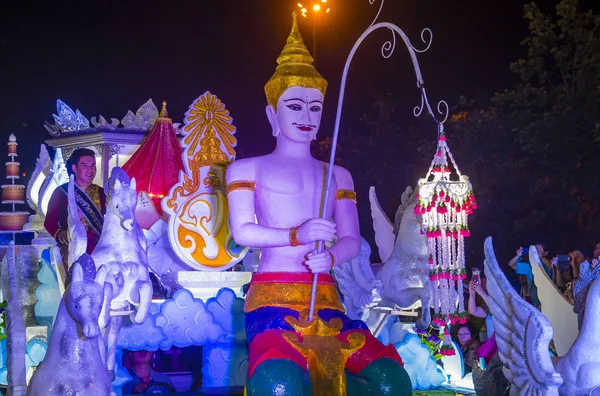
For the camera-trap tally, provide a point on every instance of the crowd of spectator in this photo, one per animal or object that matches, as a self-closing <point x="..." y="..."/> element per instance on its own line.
<point x="477" y="341"/>
<point x="571" y="273"/>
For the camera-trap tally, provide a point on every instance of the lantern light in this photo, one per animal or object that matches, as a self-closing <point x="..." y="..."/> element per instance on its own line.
<point x="444" y="202"/>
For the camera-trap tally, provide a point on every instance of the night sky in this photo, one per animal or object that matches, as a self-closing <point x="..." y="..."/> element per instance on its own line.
<point x="110" y="57"/>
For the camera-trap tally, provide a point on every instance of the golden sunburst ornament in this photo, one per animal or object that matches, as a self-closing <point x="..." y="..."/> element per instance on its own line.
<point x="208" y="113"/>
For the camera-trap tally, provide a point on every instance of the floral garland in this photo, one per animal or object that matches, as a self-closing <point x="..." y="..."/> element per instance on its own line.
<point x="444" y="205"/>
<point x="437" y="348"/>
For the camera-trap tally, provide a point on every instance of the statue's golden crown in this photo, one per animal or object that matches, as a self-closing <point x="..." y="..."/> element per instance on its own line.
<point x="294" y="68"/>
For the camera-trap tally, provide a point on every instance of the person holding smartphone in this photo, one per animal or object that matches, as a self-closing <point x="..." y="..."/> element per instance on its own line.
<point x="523" y="268"/>
<point x="477" y="287"/>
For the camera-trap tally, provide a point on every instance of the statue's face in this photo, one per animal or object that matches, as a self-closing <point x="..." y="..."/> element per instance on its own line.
<point x="298" y="114"/>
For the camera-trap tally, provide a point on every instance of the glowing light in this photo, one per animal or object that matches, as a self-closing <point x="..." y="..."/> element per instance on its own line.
<point x="316" y="7"/>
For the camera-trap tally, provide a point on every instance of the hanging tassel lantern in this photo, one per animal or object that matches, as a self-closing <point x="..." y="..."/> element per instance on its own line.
<point x="445" y="201"/>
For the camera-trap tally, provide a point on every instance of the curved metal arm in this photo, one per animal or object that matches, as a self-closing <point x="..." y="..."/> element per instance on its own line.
<point x="387" y="50"/>
<point x="387" y="47"/>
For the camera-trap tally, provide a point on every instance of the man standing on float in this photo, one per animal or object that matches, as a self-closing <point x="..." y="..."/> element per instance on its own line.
<point x="91" y="202"/>
<point x="284" y="191"/>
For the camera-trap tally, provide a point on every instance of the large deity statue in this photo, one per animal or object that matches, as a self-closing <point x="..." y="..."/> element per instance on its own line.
<point x="276" y="204"/>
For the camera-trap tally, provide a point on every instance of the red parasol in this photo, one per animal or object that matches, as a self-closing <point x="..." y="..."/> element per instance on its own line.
<point x="156" y="164"/>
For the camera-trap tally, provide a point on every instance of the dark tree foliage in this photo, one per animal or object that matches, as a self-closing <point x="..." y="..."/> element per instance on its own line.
<point x="375" y="152"/>
<point x="536" y="166"/>
<point x="532" y="153"/>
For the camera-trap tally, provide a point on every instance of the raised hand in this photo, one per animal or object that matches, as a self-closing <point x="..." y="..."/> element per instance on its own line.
<point x="475" y="287"/>
<point x="572" y="260"/>
<point x="316" y="229"/>
<point x="472" y="287"/>
<point x="520" y="252"/>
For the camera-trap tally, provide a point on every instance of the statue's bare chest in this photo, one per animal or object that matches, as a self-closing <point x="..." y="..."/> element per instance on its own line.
<point x="290" y="190"/>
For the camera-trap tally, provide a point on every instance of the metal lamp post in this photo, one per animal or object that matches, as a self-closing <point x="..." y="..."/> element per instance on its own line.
<point x="315" y="8"/>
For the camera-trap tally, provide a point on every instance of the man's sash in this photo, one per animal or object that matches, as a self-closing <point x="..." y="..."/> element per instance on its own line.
<point x="90" y="212"/>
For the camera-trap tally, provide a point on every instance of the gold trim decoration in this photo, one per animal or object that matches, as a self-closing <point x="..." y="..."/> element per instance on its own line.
<point x="197" y="206"/>
<point x="294" y="68"/>
<point x="294" y="237"/>
<point x="163" y="111"/>
<point x="345" y="194"/>
<point x="212" y="180"/>
<point x="94" y="193"/>
<point x="326" y="354"/>
<point x="292" y="295"/>
<point x="208" y="115"/>
<point x="240" y="185"/>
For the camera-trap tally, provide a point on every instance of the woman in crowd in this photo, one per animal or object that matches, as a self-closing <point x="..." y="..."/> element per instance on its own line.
<point x="467" y="339"/>
<point x="488" y="377"/>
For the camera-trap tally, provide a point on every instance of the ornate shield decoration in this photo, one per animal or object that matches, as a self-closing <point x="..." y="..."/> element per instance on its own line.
<point x="199" y="230"/>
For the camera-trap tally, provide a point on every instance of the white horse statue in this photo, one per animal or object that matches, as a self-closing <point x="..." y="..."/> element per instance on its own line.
<point x="403" y="278"/>
<point x="122" y="249"/>
<point x="74" y="363"/>
<point x="523" y="334"/>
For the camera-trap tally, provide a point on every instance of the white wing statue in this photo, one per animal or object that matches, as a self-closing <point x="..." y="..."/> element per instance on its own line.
<point x="523" y="335"/>
<point x="402" y="280"/>
<point x="385" y="236"/>
<point x="407" y="198"/>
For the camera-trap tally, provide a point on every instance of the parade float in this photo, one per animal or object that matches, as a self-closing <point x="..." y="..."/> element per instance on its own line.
<point x="147" y="141"/>
<point x="196" y="269"/>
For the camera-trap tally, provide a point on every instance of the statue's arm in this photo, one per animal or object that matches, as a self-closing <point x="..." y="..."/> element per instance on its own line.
<point x="345" y="216"/>
<point x="242" y="212"/>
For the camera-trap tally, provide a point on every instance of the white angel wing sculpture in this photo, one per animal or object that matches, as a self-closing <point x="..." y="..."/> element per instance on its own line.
<point x="523" y="335"/>
<point x="384" y="229"/>
<point x="406" y="199"/>
<point x="77" y="233"/>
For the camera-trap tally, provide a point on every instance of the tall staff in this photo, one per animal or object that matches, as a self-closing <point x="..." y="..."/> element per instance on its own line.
<point x="387" y="50"/>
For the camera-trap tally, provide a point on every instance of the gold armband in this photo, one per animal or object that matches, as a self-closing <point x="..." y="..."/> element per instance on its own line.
<point x="332" y="258"/>
<point x="240" y="185"/>
<point x="345" y="194"/>
<point x="294" y="237"/>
